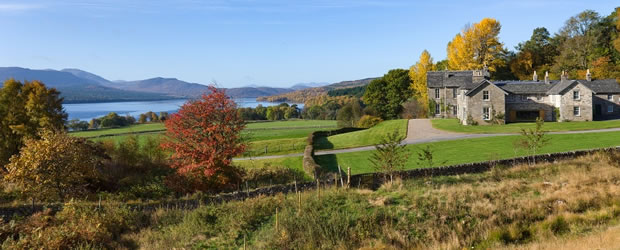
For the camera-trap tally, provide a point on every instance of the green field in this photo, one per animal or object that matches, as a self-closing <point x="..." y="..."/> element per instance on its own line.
<point x="454" y="126"/>
<point x="367" y="137"/>
<point x="277" y="137"/>
<point x="472" y="150"/>
<point x="139" y="128"/>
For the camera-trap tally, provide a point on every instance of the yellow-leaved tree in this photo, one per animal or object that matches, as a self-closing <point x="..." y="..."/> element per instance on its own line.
<point x="477" y="45"/>
<point x="56" y="167"/>
<point x="417" y="74"/>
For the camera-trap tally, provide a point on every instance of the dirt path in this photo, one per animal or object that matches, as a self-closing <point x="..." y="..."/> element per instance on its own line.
<point x="421" y="131"/>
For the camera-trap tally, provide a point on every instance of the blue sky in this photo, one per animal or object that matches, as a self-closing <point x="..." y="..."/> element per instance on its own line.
<point x="242" y="42"/>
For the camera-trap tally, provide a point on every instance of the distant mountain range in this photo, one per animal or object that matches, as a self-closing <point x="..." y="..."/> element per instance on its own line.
<point x="302" y="95"/>
<point x="78" y="86"/>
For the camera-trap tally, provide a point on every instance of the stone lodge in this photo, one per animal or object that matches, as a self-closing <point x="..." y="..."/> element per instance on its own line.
<point x="473" y="98"/>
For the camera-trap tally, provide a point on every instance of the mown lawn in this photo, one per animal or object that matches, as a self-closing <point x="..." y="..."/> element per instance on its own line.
<point x="473" y="150"/>
<point x="454" y="126"/>
<point x="363" y="138"/>
<point x="138" y="128"/>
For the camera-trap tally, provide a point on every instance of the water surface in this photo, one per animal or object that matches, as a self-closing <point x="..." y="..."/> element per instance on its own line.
<point x="87" y="111"/>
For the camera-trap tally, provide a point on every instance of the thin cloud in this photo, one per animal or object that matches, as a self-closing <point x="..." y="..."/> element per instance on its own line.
<point x="16" y="7"/>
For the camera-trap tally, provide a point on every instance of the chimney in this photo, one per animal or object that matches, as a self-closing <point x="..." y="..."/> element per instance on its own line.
<point x="547" y="77"/>
<point x="564" y="76"/>
<point x="588" y="76"/>
<point x="535" y="76"/>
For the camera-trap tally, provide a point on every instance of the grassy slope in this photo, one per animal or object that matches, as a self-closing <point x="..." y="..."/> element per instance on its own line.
<point x="474" y="150"/>
<point x="291" y="162"/>
<point x="502" y="208"/>
<point x="454" y="126"/>
<point x="365" y="137"/>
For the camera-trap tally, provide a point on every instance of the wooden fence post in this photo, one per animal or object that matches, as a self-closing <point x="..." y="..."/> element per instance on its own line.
<point x="244" y="248"/>
<point x="340" y="174"/>
<point x="348" y="177"/>
<point x="277" y="225"/>
<point x="299" y="202"/>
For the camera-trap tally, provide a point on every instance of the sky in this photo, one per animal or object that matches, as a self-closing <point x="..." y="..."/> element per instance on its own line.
<point x="256" y="42"/>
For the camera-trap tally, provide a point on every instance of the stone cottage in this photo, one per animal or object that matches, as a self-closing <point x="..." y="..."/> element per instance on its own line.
<point x="473" y="98"/>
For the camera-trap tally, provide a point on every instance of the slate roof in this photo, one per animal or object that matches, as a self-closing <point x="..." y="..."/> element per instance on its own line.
<point x="478" y="85"/>
<point x="440" y="79"/>
<point x="464" y="80"/>
<point x="603" y="86"/>
<point x="523" y="87"/>
<point x="559" y="87"/>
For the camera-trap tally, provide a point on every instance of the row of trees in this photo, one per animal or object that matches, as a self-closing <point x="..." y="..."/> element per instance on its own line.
<point x="284" y="111"/>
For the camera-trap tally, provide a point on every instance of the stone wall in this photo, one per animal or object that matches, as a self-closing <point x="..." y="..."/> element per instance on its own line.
<point x="584" y="102"/>
<point x="446" y="100"/>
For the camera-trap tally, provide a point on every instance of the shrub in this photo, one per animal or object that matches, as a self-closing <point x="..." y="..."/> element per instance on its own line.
<point x="559" y="226"/>
<point x="76" y="226"/>
<point x="56" y="167"/>
<point x="471" y="121"/>
<point x="368" y="121"/>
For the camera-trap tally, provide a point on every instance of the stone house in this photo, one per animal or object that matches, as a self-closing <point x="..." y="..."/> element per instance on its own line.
<point x="473" y="98"/>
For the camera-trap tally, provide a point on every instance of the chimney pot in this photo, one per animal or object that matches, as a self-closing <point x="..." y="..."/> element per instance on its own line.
<point x="535" y="76"/>
<point x="564" y="76"/>
<point x="547" y="77"/>
<point x="588" y="76"/>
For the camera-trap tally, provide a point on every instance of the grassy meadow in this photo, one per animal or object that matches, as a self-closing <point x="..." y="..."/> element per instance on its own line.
<point x="453" y="125"/>
<point x="473" y="150"/>
<point x="571" y="202"/>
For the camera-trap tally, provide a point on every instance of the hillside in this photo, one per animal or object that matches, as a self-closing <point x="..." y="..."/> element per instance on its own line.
<point x="303" y="95"/>
<point x="78" y="86"/>
<point x="74" y="88"/>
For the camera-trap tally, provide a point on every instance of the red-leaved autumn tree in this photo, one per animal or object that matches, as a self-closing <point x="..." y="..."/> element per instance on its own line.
<point x="204" y="135"/>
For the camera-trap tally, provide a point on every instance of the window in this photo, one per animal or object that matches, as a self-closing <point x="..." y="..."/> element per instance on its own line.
<point x="486" y="113"/>
<point x="576" y="111"/>
<point x="454" y="109"/>
<point x="485" y="95"/>
<point x="437" y="108"/>
<point x="523" y="98"/>
<point x="610" y="97"/>
<point x="610" y="108"/>
<point x="436" y="93"/>
<point x="454" y="93"/>
<point x="576" y="95"/>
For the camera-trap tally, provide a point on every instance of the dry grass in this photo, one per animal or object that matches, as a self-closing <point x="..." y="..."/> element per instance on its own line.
<point x="606" y="239"/>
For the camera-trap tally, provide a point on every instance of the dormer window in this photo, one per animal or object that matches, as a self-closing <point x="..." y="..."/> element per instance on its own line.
<point x="576" y="95"/>
<point x="485" y="95"/>
<point x="454" y="93"/>
<point x="610" y="97"/>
